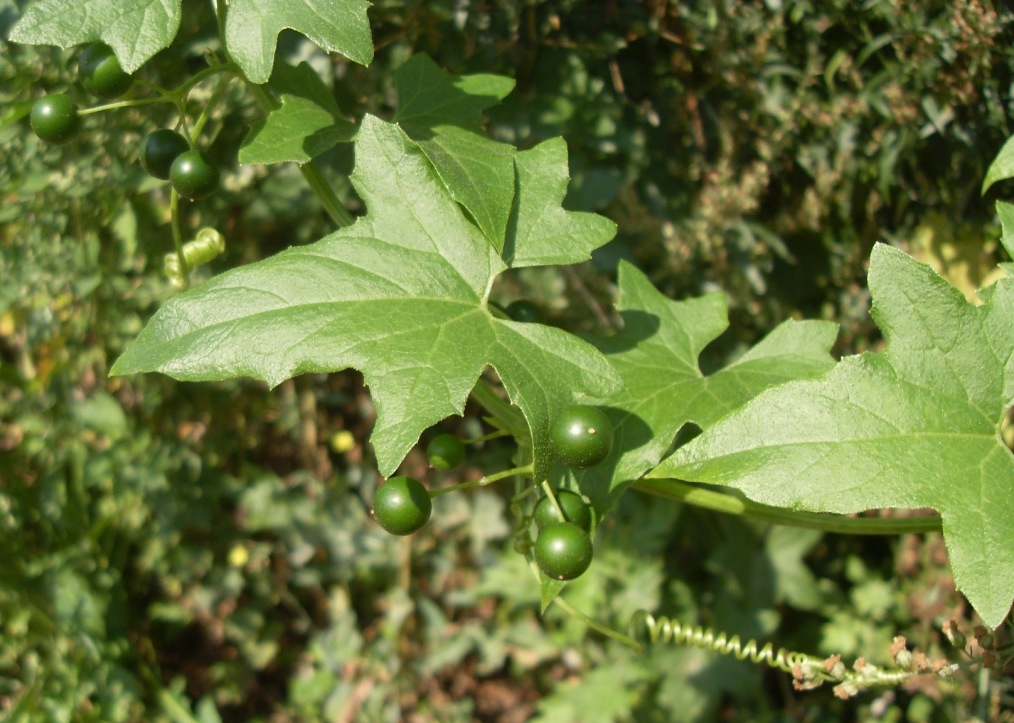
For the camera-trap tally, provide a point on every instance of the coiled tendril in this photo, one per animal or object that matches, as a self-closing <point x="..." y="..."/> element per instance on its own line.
<point x="647" y="629"/>
<point x="205" y="246"/>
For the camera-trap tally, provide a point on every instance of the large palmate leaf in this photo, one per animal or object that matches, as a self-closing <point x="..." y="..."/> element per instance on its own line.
<point x="337" y="26"/>
<point x="657" y="353"/>
<point x="914" y="426"/>
<point x="399" y="295"/>
<point x="134" y="29"/>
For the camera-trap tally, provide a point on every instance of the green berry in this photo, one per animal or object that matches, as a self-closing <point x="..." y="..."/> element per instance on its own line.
<point x="582" y="436"/>
<point x="563" y="551"/>
<point x="55" y="119"/>
<point x="159" y="149"/>
<point x="525" y="311"/>
<point x="445" y="451"/>
<point x="193" y="175"/>
<point x="575" y="510"/>
<point x="100" y="73"/>
<point x="402" y="505"/>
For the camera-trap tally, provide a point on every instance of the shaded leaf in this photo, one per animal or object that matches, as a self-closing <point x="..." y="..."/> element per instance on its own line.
<point x="308" y="122"/>
<point x="1006" y="213"/>
<point x="429" y="96"/>
<point x="1002" y="166"/>
<point x="443" y="114"/>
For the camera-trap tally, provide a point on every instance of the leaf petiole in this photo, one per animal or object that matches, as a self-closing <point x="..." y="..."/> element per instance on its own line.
<point x="734" y="504"/>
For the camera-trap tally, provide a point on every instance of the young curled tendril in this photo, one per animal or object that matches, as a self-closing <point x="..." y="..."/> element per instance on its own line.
<point x="648" y="629"/>
<point x="206" y="245"/>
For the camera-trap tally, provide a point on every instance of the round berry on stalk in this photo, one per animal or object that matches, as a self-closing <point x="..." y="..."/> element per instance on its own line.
<point x="55" y="119"/>
<point x="563" y="551"/>
<point x="402" y="505"/>
<point x="582" y="436"/>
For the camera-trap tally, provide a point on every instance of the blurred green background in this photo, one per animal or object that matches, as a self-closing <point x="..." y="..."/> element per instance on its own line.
<point x="203" y="552"/>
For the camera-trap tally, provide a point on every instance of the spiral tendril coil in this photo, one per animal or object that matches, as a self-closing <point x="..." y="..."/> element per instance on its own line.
<point x="646" y="628"/>
<point x="205" y="246"/>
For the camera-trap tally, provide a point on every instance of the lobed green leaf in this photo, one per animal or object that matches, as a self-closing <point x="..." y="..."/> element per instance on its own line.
<point x="337" y="26"/>
<point x="912" y="427"/>
<point x="134" y="29"/>
<point x="542" y="232"/>
<point x="656" y="355"/>
<point x="400" y="295"/>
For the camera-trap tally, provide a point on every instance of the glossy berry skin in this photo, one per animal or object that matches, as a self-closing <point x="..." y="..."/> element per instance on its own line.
<point x="525" y="311"/>
<point x="582" y="436"/>
<point x="193" y="175"/>
<point x="563" y="551"/>
<point x="402" y="505"/>
<point x="445" y="451"/>
<point x="574" y="508"/>
<point x="55" y="119"/>
<point x="100" y="73"/>
<point x="159" y="149"/>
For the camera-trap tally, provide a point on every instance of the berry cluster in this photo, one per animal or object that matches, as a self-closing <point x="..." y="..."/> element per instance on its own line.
<point x="581" y="437"/>
<point x="165" y="153"/>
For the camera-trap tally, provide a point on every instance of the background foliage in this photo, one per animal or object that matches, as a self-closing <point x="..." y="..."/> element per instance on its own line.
<point x="203" y="552"/>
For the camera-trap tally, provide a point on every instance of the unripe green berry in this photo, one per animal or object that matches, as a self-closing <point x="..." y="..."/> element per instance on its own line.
<point x="193" y="175"/>
<point x="100" y="73"/>
<point x="575" y="510"/>
<point x="445" y="451"/>
<point x="402" y="505"/>
<point x="55" y="119"/>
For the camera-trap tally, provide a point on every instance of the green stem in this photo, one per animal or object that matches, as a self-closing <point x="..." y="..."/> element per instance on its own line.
<point x="733" y="504"/>
<point x="315" y="178"/>
<point x="548" y="489"/>
<point x="483" y="481"/>
<point x="596" y="625"/>
<point x="486" y="437"/>
<point x="216" y="95"/>
<point x="128" y="104"/>
<point x="195" y="79"/>
<point x="508" y="417"/>
<point x="174" y="213"/>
